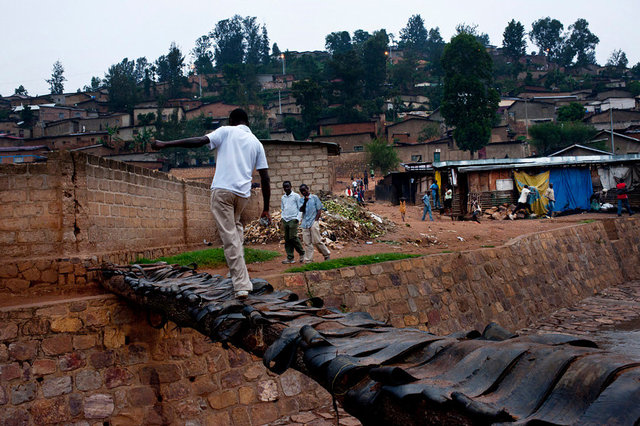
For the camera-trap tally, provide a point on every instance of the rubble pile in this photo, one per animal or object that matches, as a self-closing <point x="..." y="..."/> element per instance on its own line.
<point x="505" y="211"/>
<point x="342" y="220"/>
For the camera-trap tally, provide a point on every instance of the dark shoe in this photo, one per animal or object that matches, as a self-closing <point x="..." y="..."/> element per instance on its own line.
<point x="287" y="261"/>
<point x="327" y="257"/>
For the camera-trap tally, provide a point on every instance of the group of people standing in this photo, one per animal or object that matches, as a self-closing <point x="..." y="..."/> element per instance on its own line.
<point x="434" y="199"/>
<point x="357" y="187"/>
<point x="530" y="194"/>
<point x="306" y="210"/>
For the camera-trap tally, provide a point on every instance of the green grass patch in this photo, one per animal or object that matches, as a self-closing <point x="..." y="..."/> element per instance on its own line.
<point x="212" y="258"/>
<point x="351" y="261"/>
<point x="487" y="246"/>
<point x="447" y="251"/>
<point x="587" y="221"/>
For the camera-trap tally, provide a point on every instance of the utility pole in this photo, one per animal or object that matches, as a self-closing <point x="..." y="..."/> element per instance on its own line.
<point x="613" y="150"/>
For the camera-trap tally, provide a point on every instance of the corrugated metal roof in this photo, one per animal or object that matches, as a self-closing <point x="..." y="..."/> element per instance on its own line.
<point x="500" y="163"/>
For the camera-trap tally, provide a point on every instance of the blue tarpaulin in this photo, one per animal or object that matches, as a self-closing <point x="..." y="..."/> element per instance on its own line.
<point x="572" y="188"/>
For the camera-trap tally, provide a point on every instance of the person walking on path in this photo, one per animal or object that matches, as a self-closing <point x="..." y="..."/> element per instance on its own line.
<point x="403" y="208"/>
<point x="290" y="213"/>
<point x="311" y="208"/>
<point x="366" y="181"/>
<point x="550" y="195"/>
<point x="427" y="207"/>
<point x="623" y="198"/>
<point x="434" y="194"/>
<point x="522" y="200"/>
<point x="448" y="199"/>
<point x="239" y="153"/>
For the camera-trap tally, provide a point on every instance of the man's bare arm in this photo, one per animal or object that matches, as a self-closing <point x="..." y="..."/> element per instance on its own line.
<point x="195" y="142"/>
<point x="265" y="185"/>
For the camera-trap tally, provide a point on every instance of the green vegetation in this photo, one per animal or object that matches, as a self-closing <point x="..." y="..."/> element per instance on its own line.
<point x="551" y="137"/>
<point x="469" y="103"/>
<point x="212" y="258"/>
<point x="351" y="261"/>
<point x="381" y="156"/>
<point x="587" y="221"/>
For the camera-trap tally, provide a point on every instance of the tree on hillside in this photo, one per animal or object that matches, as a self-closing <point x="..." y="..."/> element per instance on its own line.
<point x="95" y="84"/>
<point x="435" y="47"/>
<point x="255" y="43"/>
<point x="338" y="42"/>
<point x="617" y="63"/>
<point x="202" y="55"/>
<point x="170" y="69"/>
<point x="472" y="29"/>
<point x="121" y="83"/>
<point x="21" y="91"/>
<point x="546" y="33"/>
<point x="635" y="70"/>
<point x="308" y="94"/>
<point x="56" y="82"/>
<point x="381" y="156"/>
<point x="469" y="101"/>
<point x="414" y="37"/>
<point x="228" y="38"/>
<point x="374" y="62"/>
<point x="548" y="138"/>
<point x="513" y="42"/>
<point x="582" y="43"/>
<point x="359" y="37"/>
<point x="572" y="112"/>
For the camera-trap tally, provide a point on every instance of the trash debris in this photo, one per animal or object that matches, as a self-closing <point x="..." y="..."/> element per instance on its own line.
<point x="342" y="220"/>
<point x="460" y="238"/>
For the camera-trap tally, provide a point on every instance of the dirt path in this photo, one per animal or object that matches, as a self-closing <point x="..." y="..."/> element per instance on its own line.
<point x="415" y="236"/>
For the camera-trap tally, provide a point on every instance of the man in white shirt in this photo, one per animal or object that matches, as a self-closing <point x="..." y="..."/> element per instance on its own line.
<point x="239" y="153"/>
<point x="522" y="201"/>
<point x="290" y="214"/>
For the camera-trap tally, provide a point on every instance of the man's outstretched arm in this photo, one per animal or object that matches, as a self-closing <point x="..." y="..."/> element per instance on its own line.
<point x="181" y="143"/>
<point x="265" y="186"/>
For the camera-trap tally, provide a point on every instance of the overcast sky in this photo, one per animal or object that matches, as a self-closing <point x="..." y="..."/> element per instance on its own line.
<point x="89" y="36"/>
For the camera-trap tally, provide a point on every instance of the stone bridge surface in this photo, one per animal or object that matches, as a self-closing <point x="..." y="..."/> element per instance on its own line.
<point x="385" y="375"/>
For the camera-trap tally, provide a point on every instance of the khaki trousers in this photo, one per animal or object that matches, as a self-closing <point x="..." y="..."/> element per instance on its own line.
<point x="311" y="237"/>
<point x="227" y="208"/>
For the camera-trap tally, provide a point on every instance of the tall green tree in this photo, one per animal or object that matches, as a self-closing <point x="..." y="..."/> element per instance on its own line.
<point x="513" y="42"/>
<point x="381" y="155"/>
<point x="617" y="63"/>
<point x="56" y="82"/>
<point x="338" y="42"/>
<point x="170" y="69"/>
<point x="95" y="84"/>
<point x="472" y="29"/>
<point x="120" y="81"/>
<point x="582" y="43"/>
<point x="469" y="101"/>
<point x="546" y="33"/>
<point x="308" y="95"/>
<point x="548" y="138"/>
<point x="415" y="36"/>
<point x="374" y="61"/>
<point x="202" y="55"/>
<point x="228" y="38"/>
<point x="435" y="48"/>
<point x="252" y="41"/>
<point x="572" y="112"/>
<point x="21" y="91"/>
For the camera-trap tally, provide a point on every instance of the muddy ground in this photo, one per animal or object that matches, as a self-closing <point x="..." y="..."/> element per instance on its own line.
<point x="418" y="237"/>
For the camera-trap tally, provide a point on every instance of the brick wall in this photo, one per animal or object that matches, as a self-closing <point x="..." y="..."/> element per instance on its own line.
<point x="60" y="217"/>
<point x="298" y="163"/>
<point x="512" y="285"/>
<point x="95" y="360"/>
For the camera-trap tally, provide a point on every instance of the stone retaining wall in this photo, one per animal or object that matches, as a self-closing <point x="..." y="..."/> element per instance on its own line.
<point x="93" y="360"/>
<point x="512" y="285"/>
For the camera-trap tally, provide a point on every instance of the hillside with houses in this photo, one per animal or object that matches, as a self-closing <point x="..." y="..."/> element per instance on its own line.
<point x="364" y="87"/>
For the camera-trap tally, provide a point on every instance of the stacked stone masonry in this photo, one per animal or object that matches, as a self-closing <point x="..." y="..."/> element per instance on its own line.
<point x="95" y="359"/>
<point x="513" y="285"/>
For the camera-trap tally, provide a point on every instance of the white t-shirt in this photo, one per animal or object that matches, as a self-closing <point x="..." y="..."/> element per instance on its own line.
<point x="523" y="195"/>
<point x="239" y="153"/>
